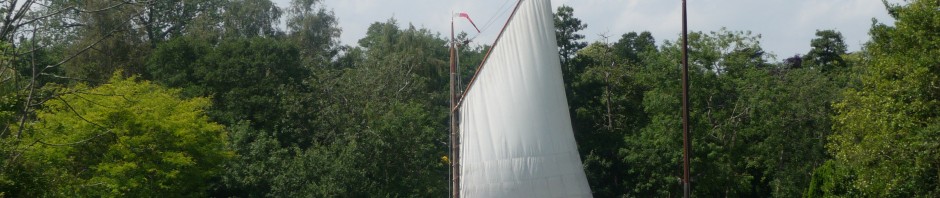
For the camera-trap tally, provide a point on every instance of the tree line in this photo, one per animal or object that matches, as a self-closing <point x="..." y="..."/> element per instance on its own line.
<point x="216" y="98"/>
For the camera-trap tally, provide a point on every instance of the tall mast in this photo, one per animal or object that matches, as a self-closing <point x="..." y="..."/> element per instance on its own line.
<point x="454" y="166"/>
<point x="686" y="143"/>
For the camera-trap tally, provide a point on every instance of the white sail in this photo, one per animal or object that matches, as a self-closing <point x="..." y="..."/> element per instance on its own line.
<point x="516" y="135"/>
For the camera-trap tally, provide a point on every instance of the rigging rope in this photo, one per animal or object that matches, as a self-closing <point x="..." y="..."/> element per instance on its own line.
<point x="502" y="10"/>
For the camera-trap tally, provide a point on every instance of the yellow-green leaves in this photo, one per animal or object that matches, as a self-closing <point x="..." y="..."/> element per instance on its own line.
<point x="127" y="138"/>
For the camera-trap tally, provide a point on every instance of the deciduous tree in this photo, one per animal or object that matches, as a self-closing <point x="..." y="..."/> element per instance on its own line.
<point x="887" y="130"/>
<point x="124" y="138"/>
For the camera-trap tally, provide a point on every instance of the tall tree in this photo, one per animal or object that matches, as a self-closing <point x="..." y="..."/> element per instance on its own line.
<point x="757" y="130"/>
<point x="566" y="34"/>
<point x="250" y="18"/>
<point x="714" y="113"/>
<point x="827" y="50"/>
<point x="397" y="91"/>
<point x="259" y="87"/>
<point x="247" y="78"/>
<point x="117" y="35"/>
<point x="887" y="130"/>
<point x="606" y="107"/>
<point x="118" y="45"/>
<point x="163" y="20"/>
<point x="314" y="29"/>
<point x="632" y="45"/>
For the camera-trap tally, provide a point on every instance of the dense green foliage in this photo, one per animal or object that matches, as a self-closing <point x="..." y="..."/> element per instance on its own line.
<point x="201" y="98"/>
<point x="567" y="37"/>
<point x="123" y="138"/>
<point x="887" y="129"/>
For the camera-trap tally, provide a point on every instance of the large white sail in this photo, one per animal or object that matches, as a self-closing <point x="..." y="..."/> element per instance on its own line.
<point x="516" y="135"/>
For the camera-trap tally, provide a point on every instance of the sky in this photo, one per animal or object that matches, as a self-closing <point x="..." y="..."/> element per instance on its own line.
<point x="785" y="26"/>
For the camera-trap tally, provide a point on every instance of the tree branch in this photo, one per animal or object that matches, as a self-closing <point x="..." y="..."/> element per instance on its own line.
<point x="69" y="106"/>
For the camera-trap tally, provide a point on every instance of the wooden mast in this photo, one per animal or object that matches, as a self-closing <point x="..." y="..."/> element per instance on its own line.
<point x="454" y="166"/>
<point x="686" y="142"/>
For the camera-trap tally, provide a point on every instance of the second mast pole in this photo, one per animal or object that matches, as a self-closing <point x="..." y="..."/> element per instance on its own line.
<point x="686" y="142"/>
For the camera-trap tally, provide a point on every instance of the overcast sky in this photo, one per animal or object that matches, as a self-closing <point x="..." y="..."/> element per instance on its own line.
<point x="786" y="26"/>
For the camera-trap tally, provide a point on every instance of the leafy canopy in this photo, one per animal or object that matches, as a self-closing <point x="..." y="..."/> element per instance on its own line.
<point x="888" y="130"/>
<point x="126" y="138"/>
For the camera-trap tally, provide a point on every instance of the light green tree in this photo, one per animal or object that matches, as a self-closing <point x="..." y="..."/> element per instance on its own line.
<point x="888" y="130"/>
<point x="127" y="138"/>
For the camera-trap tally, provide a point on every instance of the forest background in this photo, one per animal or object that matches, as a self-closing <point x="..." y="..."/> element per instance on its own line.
<point x="198" y="98"/>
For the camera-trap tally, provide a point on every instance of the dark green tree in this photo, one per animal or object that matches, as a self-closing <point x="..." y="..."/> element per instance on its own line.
<point x="314" y="29"/>
<point x="632" y="45"/>
<point x="756" y="129"/>
<point x="164" y="20"/>
<point x="827" y="50"/>
<point x="794" y="62"/>
<point x="105" y="41"/>
<point x="248" y="79"/>
<point x="250" y="18"/>
<point x="264" y="97"/>
<point x="389" y="107"/>
<point x="607" y="107"/>
<point x="566" y="34"/>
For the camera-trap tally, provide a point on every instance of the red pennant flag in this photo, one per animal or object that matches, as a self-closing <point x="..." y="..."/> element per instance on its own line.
<point x="465" y="15"/>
